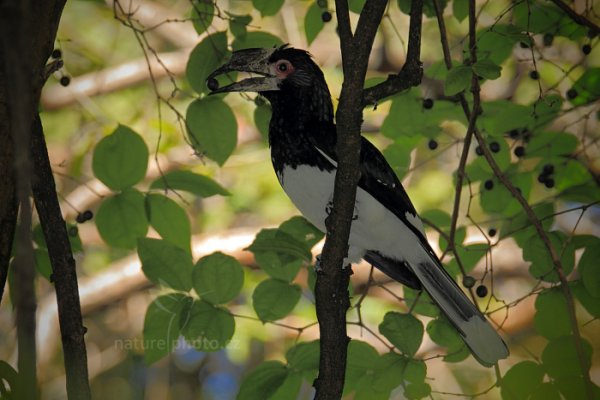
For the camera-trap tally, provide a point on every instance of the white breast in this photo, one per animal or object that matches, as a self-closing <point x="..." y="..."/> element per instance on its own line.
<point x="374" y="226"/>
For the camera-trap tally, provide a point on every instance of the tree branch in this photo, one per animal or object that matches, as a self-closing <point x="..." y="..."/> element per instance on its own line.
<point x="579" y="19"/>
<point x="412" y="71"/>
<point x="331" y="289"/>
<point x="63" y="267"/>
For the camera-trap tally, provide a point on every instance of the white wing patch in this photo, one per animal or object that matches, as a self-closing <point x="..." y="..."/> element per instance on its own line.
<point x="331" y="160"/>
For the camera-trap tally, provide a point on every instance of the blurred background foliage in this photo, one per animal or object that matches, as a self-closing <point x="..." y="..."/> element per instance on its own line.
<point x="128" y="116"/>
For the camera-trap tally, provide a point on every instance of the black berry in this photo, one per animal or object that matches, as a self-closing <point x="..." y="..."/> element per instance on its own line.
<point x="492" y="232"/>
<point x="326" y="16"/>
<point x="56" y="53"/>
<point x="479" y="151"/>
<point x="542" y="178"/>
<point x="87" y="214"/>
<point x="548" y="39"/>
<point x="481" y="291"/>
<point x="489" y="184"/>
<point x="548" y="169"/>
<point x="549" y="183"/>
<point x="212" y="84"/>
<point x="80" y="218"/>
<point x="432" y="144"/>
<point x="427" y="104"/>
<point x="468" y="281"/>
<point x="65" y="80"/>
<point x="514" y="134"/>
<point x="571" y="94"/>
<point x="73" y="231"/>
<point x="519" y="151"/>
<point x="534" y="75"/>
<point x="586" y="49"/>
<point x="495" y="147"/>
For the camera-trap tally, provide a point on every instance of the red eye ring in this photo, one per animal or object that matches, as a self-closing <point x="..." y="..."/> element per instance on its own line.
<point x="284" y="67"/>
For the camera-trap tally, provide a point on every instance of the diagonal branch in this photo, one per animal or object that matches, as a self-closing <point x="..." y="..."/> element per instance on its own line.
<point x="411" y="73"/>
<point x="579" y="19"/>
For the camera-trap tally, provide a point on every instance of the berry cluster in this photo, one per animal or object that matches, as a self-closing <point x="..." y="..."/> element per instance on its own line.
<point x="545" y="176"/>
<point x="84" y="216"/>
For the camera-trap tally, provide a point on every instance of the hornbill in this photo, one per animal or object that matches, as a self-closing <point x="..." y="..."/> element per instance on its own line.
<point x="386" y="230"/>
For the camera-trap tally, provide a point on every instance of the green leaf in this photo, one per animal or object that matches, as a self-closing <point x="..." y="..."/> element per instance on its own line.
<point x="417" y="390"/>
<point x="415" y="371"/>
<point x="404" y="331"/>
<point x="9" y="375"/>
<point x="407" y="117"/>
<point x="390" y="371"/>
<point x="551" y="319"/>
<point x="290" y="388"/>
<point x="589" y="302"/>
<point x="262" y="118"/>
<point x="399" y="154"/>
<point x="313" y="23"/>
<point x="497" y="42"/>
<point x="302" y="230"/>
<point x="425" y="306"/>
<point x="546" y="391"/>
<point x="203" y="12"/>
<point x="256" y="39"/>
<point x="587" y="87"/>
<point x="460" y="9"/>
<point x="499" y="200"/>
<point x="502" y="116"/>
<point x="520" y="380"/>
<point x="279" y="254"/>
<point x="263" y="381"/>
<point x="362" y="357"/>
<point x="551" y="144"/>
<point x="218" y="278"/>
<point x="169" y="219"/>
<point x="560" y="358"/>
<point x="366" y="389"/>
<point x="589" y="268"/>
<point x="238" y="24"/>
<point x="273" y="299"/>
<point x="188" y="181"/>
<point x="42" y="262"/>
<point x="542" y="266"/>
<point x="267" y="7"/>
<point x="161" y="325"/>
<point x="573" y="173"/>
<point x="207" y="56"/>
<point x="121" y="219"/>
<point x="212" y="128"/>
<point x="165" y="264"/>
<point x="575" y="388"/>
<point x="356" y="6"/>
<point x="208" y="328"/>
<point x="487" y="69"/>
<point x="444" y="334"/>
<point x="304" y="356"/>
<point x="120" y="159"/>
<point x="457" y="80"/>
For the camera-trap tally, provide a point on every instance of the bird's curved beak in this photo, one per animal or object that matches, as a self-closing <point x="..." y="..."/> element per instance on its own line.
<point x="248" y="60"/>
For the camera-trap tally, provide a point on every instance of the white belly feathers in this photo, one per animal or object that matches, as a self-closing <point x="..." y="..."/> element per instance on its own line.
<point x="374" y="226"/>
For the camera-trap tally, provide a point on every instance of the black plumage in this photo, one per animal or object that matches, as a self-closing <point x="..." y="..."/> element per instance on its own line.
<point x="386" y="230"/>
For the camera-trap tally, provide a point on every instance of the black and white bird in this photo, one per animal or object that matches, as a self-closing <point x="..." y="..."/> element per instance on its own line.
<point x="386" y="230"/>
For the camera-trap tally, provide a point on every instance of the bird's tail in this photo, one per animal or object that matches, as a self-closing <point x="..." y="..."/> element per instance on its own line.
<point x="478" y="334"/>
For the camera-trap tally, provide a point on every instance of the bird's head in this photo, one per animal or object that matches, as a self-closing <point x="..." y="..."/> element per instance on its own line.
<point x="286" y="76"/>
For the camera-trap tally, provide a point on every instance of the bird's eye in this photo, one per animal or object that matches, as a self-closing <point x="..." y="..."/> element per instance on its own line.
<point x="282" y="67"/>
